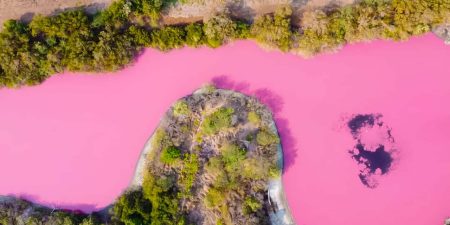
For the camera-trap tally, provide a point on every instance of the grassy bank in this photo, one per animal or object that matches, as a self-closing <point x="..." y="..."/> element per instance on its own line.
<point x="112" y="38"/>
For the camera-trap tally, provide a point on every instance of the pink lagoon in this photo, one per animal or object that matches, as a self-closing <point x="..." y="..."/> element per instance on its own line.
<point x="73" y="142"/>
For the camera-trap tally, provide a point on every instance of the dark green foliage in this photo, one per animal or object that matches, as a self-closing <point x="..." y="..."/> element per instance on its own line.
<point x="132" y="208"/>
<point x="214" y="198"/>
<point x="109" y="40"/>
<point x="20" y="63"/>
<point x="112" y="51"/>
<point x="194" y="34"/>
<point x="265" y="137"/>
<point x="162" y="194"/>
<point x="149" y="8"/>
<point x="170" y="154"/>
<point x="220" y="119"/>
<point x="368" y="20"/>
<point x="222" y="29"/>
<point x="16" y="211"/>
<point x="65" y="40"/>
<point x="232" y="157"/>
<point x="274" y="30"/>
<point x="140" y="36"/>
<point x="251" y="205"/>
<point x="188" y="172"/>
<point x="168" y="38"/>
<point x="116" y="15"/>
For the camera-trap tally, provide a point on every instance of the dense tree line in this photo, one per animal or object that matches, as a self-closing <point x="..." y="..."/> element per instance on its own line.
<point x="110" y="39"/>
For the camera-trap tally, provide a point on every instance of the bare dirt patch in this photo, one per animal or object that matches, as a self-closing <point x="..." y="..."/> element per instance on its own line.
<point x="181" y="12"/>
<point x="25" y="9"/>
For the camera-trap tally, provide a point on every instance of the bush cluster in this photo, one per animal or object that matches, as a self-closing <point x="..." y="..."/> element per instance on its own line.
<point x="110" y="39"/>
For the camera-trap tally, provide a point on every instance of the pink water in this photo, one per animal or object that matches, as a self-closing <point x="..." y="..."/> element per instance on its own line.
<point x="73" y="142"/>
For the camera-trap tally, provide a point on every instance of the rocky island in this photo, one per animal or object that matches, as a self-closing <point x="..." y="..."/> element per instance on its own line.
<point x="215" y="158"/>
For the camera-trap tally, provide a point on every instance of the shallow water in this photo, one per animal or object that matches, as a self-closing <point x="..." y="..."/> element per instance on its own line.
<point x="74" y="141"/>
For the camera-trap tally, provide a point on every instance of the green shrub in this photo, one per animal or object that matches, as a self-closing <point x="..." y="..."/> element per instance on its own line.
<point x="218" y="120"/>
<point x="132" y="208"/>
<point x="232" y="157"/>
<point x="251" y="205"/>
<point x="168" y="38"/>
<point x="265" y="137"/>
<point x="181" y="108"/>
<point x="188" y="173"/>
<point x="20" y="63"/>
<point x="216" y="168"/>
<point x="274" y="30"/>
<point x="219" y="30"/>
<point x="113" y="51"/>
<point x="194" y="34"/>
<point x="253" y="118"/>
<point x="110" y="39"/>
<point x="163" y="197"/>
<point x="255" y="168"/>
<point x="214" y="198"/>
<point x="170" y="155"/>
<point x="274" y="172"/>
<point x="140" y="36"/>
<point x="150" y="9"/>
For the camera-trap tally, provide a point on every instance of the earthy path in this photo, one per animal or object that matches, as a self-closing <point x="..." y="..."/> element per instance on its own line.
<point x="25" y="9"/>
<point x="192" y="10"/>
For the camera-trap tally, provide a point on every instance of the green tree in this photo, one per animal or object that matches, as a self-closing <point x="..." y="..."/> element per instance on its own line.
<point x="170" y="155"/>
<point x="219" y="119"/>
<point x="132" y="208"/>
<point x="266" y="137"/>
<point x="113" y="50"/>
<point x="219" y="30"/>
<point x="274" y="30"/>
<point x="251" y="205"/>
<point x="162" y="193"/>
<point x="20" y="63"/>
<point x="194" y="35"/>
<point x="168" y="38"/>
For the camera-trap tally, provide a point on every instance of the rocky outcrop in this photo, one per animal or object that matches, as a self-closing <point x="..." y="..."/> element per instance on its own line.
<point x="443" y="32"/>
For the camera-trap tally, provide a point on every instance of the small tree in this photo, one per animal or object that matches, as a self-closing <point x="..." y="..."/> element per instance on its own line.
<point x="170" y="155"/>
<point x="266" y="138"/>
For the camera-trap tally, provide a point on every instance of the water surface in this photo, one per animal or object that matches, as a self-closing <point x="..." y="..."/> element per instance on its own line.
<point x="74" y="141"/>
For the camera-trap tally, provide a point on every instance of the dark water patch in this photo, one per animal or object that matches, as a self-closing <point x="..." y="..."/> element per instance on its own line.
<point x="372" y="161"/>
<point x="362" y="120"/>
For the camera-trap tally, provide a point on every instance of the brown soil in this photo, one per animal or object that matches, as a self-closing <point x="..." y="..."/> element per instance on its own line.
<point x="191" y="11"/>
<point x="25" y="9"/>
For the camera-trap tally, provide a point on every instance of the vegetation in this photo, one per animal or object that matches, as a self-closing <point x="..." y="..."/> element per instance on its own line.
<point x="275" y="30"/>
<point x="218" y="179"/>
<point x="132" y="208"/>
<point x="110" y="39"/>
<point x="222" y="29"/>
<point x="218" y="120"/>
<point x="368" y="20"/>
<point x="170" y="154"/>
<point x="266" y="137"/>
<point x="180" y="109"/>
<point x="15" y="211"/>
<point x="253" y="118"/>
